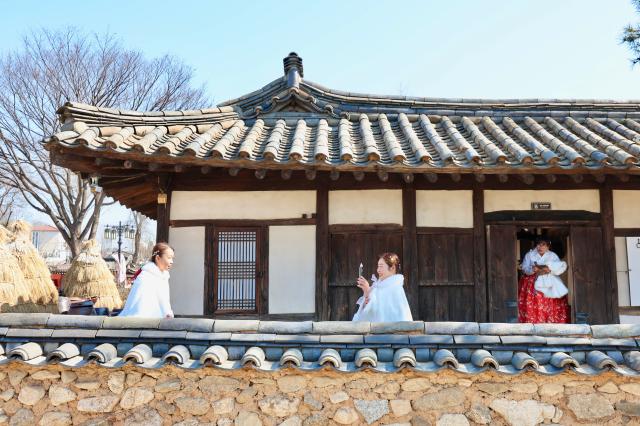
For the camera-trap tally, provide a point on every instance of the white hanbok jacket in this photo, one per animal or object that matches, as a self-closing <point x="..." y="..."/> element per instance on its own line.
<point x="387" y="302"/>
<point x="548" y="284"/>
<point x="149" y="296"/>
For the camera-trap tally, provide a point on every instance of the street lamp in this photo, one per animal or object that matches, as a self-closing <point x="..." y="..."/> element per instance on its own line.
<point x="118" y="231"/>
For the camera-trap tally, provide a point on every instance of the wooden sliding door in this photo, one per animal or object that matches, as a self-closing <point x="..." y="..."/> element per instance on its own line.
<point x="350" y="245"/>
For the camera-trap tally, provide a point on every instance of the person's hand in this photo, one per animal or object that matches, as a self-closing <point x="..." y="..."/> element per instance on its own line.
<point x="364" y="285"/>
<point x="544" y="270"/>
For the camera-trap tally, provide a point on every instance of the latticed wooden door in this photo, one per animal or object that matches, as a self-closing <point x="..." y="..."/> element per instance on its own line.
<point x="237" y="269"/>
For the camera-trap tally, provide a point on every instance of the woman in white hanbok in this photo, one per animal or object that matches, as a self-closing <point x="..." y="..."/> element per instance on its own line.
<point x="384" y="300"/>
<point x="542" y="296"/>
<point x="149" y="296"/>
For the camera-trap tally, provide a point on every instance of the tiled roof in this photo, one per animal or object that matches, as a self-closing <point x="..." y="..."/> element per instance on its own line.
<point x="293" y="123"/>
<point x="75" y="341"/>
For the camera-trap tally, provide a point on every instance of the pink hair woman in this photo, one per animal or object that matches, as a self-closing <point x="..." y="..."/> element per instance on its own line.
<point x="384" y="300"/>
<point x="149" y="296"/>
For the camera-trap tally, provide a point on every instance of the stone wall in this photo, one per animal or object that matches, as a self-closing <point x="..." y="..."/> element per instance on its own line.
<point x="92" y="395"/>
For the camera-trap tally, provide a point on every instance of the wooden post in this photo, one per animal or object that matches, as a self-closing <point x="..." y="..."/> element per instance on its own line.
<point x="322" y="250"/>
<point x="608" y="245"/>
<point x="410" y="248"/>
<point x="162" y="220"/>
<point x="210" y="251"/>
<point x="479" y="255"/>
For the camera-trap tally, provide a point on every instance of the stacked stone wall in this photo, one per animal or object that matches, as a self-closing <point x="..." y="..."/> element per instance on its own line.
<point x="56" y="395"/>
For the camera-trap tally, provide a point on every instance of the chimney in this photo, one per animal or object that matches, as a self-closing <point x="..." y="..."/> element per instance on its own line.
<point x="293" y="69"/>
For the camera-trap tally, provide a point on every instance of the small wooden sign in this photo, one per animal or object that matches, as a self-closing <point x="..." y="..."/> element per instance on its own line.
<point x="540" y="205"/>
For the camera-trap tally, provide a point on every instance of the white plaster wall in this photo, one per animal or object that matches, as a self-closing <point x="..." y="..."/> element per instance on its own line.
<point x="365" y="206"/>
<point x="187" y="273"/>
<point x="453" y="209"/>
<point x="629" y="319"/>
<point x="581" y="199"/>
<point x="622" y="271"/>
<point x="626" y="209"/>
<point x="292" y="269"/>
<point x="241" y="204"/>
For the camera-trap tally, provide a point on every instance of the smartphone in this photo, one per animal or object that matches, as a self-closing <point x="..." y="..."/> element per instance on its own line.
<point x="360" y="270"/>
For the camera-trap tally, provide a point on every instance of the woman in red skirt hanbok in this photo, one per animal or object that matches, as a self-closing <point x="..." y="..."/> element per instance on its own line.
<point x="542" y="297"/>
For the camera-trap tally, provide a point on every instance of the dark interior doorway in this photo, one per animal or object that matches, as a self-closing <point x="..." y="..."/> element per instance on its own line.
<point x="576" y="237"/>
<point x="559" y="236"/>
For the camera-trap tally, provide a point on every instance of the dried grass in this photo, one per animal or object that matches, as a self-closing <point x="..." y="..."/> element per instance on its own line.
<point x="42" y="294"/>
<point x="89" y="276"/>
<point x="14" y="293"/>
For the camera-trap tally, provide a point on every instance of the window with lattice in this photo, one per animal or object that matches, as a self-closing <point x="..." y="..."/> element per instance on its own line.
<point x="237" y="269"/>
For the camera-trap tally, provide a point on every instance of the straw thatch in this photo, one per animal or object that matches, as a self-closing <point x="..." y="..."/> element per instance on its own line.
<point x="43" y="295"/>
<point x="89" y="276"/>
<point x="14" y="294"/>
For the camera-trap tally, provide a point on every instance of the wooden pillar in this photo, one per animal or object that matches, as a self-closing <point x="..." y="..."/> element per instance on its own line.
<point x="322" y="251"/>
<point x="162" y="221"/>
<point x="410" y="248"/>
<point x="609" y="258"/>
<point x="479" y="256"/>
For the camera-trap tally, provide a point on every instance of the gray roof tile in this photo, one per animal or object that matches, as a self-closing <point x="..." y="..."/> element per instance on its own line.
<point x="342" y="338"/>
<point x="163" y="334"/>
<point x="75" y="321"/>
<point x="386" y="339"/>
<point x="208" y="336"/>
<point x="130" y="322"/>
<point x="397" y="327"/>
<point x="201" y="325"/>
<point x="285" y="327"/>
<point x="74" y="333"/>
<point x="24" y="320"/>
<point x="119" y="334"/>
<point x="471" y="339"/>
<point x="506" y="329"/>
<point x="29" y="332"/>
<point x="430" y="339"/>
<point x="341" y="327"/>
<point x="451" y="327"/>
<point x="235" y="325"/>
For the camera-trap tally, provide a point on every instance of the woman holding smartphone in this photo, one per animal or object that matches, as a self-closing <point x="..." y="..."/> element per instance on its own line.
<point x="384" y="300"/>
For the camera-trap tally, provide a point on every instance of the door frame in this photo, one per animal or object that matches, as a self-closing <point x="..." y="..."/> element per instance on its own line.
<point x="539" y="219"/>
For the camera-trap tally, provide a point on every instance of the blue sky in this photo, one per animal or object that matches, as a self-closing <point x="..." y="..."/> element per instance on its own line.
<point x="471" y="49"/>
<point x="488" y="49"/>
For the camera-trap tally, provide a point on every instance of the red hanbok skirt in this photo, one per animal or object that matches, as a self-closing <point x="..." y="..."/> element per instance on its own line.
<point x="534" y="307"/>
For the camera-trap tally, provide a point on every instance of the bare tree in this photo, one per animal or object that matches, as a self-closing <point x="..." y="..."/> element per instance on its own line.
<point x="139" y="223"/>
<point x="52" y="68"/>
<point x="9" y="204"/>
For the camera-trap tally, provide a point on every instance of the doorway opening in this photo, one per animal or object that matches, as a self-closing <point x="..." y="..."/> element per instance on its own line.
<point x="560" y="243"/>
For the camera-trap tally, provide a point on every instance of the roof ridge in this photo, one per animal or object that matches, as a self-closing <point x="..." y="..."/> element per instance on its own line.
<point x="71" y="106"/>
<point x="467" y="101"/>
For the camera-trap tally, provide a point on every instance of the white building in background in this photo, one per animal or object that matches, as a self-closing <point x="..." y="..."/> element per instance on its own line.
<point x="50" y="244"/>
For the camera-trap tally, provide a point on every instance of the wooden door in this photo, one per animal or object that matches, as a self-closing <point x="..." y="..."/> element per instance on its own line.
<point x="445" y="275"/>
<point x="590" y="293"/>
<point x="347" y="250"/>
<point x="502" y="270"/>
